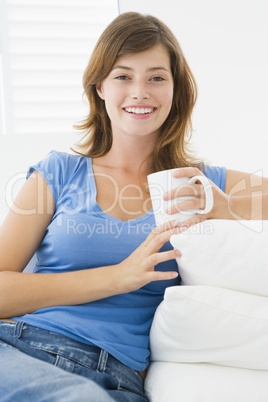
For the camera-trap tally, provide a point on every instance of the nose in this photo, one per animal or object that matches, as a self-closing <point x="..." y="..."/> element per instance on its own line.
<point x="139" y="91"/>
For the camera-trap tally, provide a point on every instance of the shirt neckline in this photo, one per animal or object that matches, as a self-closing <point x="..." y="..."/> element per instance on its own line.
<point x="97" y="209"/>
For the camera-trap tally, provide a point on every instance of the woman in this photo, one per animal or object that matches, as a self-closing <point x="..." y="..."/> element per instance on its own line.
<point x="102" y="267"/>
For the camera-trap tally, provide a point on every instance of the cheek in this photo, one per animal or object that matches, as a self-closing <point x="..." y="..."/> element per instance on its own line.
<point x="110" y="110"/>
<point x="114" y="98"/>
<point x="113" y="106"/>
<point x="166" y="97"/>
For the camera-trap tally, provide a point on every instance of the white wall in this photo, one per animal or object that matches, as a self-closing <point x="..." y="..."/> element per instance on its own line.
<point x="225" y="43"/>
<point x="44" y="48"/>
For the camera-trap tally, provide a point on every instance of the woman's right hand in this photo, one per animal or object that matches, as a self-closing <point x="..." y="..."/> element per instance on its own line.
<point x="138" y="270"/>
<point x="25" y="293"/>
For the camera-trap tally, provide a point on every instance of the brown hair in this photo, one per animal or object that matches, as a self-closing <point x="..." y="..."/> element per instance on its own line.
<point x="133" y="33"/>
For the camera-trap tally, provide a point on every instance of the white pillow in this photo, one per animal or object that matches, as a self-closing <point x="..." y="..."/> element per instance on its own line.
<point x="225" y="253"/>
<point x="178" y="382"/>
<point x="211" y="325"/>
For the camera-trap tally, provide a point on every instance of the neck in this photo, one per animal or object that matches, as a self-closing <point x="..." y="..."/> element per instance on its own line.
<point x="130" y="155"/>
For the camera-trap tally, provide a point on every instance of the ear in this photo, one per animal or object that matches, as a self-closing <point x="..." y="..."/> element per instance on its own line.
<point x="99" y="90"/>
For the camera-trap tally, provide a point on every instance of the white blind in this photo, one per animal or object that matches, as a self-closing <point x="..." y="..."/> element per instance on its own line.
<point x="45" y="48"/>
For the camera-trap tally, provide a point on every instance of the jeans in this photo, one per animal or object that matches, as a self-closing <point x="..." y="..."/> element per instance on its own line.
<point x="39" y="365"/>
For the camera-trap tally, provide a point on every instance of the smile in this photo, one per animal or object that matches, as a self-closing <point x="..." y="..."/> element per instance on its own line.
<point x="139" y="111"/>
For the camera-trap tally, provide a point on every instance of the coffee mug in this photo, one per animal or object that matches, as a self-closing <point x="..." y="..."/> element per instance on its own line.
<point x="163" y="181"/>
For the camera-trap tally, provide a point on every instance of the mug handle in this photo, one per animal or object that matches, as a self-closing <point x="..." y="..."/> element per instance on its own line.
<point x="208" y="192"/>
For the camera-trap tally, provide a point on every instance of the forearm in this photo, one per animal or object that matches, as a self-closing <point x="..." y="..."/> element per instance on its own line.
<point x="248" y="196"/>
<point x="253" y="207"/>
<point x="22" y="293"/>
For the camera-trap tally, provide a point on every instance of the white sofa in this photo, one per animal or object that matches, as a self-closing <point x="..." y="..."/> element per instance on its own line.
<point x="209" y="338"/>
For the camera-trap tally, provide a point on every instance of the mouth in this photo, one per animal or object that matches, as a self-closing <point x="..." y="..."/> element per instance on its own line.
<point x="139" y="111"/>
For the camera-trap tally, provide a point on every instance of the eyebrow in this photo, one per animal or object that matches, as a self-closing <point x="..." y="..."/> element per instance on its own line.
<point x="149" y="69"/>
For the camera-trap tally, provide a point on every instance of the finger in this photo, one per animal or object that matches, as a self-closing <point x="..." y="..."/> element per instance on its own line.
<point x="187" y="172"/>
<point x="156" y="242"/>
<point x="163" y="256"/>
<point x="187" y="206"/>
<point x="161" y="276"/>
<point x="188" y="190"/>
<point x="161" y="229"/>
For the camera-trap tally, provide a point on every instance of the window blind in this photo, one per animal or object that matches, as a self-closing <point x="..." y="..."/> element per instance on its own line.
<point x="45" y="47"/>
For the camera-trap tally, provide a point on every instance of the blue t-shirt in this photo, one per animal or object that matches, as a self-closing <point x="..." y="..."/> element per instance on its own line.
<point x="82" y="236"/>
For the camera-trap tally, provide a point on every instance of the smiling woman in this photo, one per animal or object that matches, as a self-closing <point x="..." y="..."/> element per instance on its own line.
<point x="102" y="267"/>
<point x="171" y="149"/>
<point x="138" y="89"/>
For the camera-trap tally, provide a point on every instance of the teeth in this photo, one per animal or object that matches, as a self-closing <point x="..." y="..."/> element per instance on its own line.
<point x="138" y="110"/>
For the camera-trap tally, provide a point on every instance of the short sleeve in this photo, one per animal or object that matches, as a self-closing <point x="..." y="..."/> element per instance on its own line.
<point x="217" y="174"/>
<point x="50" y="168"/>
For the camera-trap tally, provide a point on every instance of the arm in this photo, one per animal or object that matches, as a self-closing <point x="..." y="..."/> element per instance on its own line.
<point x="22" y="232"/>
<point x="248" y="195"/>
<point x="245" y="197"/>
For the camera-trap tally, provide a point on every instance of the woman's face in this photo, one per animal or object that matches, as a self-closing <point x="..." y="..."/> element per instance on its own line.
<point x="138" y="93"/>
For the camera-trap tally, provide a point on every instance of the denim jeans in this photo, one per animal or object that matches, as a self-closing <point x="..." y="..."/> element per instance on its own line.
<point x="39" y="365"/>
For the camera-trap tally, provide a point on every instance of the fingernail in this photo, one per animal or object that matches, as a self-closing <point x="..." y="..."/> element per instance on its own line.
<point x="165" y="196"/>
<point x="175" y="223"/>
<point x="178" y="253"/>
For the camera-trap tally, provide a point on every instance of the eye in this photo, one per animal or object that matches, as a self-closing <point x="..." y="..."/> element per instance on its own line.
<point x="122" y="78"/>
<point x="158" y="79"/>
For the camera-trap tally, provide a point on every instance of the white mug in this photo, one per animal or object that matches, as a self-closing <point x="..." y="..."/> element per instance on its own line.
<point x="163" y="181"/>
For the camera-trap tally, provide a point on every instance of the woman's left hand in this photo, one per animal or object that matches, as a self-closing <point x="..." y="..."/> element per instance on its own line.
<point x="220" y="208"/>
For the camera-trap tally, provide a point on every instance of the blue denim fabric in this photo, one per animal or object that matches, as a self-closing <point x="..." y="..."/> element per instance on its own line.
<point x="39" y="365"/>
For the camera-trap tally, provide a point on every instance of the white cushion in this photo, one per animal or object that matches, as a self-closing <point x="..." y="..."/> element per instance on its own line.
<point x="225" y="253"/>
<point x="211" y="325"/>
<point x="175" y="382"/>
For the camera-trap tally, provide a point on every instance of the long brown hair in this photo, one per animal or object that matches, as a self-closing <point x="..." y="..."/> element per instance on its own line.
<point x="133" y="33"/>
